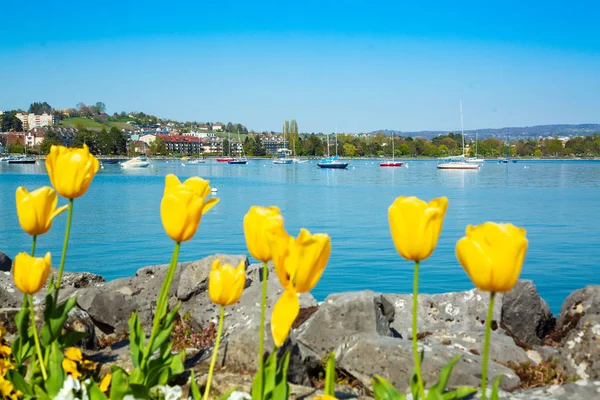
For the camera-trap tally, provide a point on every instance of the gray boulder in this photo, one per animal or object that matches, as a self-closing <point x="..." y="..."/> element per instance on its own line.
<point x="582" y="390"/>
<point x="111" y="310"/>
<point x="5" y="262"/>
<point x="343" y="315"/>
<point x="502" y="348"/>
<point x="580" y="305"/>
<point x="80" y="321"/>
<point x="457" y="311"/>
<point x="392" y="358"/>
<point x="525" y="315"/>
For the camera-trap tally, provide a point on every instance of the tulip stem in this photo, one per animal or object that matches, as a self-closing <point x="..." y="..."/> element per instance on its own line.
<point x="36" y="339"/>
<point x="33" y="245"/>
<point x="161" y="304"/>
<point x="64" y="252"/>
<point x="416" y="355"/>
<point x="214" y="356"/>
<point x="486" y="346"/>
<point x="261" y="343"/>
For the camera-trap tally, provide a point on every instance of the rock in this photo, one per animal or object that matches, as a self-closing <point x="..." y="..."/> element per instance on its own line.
<point x="571" y="391"/>
<point x="580" y="354"/>
<point x="194" y="276"/>
<point x="80" y="321"/>
<point x="5" y="263"/>
<point x="502" y="348"/>
<point x="523" y="303"/>
<point x="580" y="305"/>
<point x="457" y="311"/>
<point x="111" y="310"/>
<point x="7" y="320"/>
<point x="392" y="358"/>
<point x="80" y="280"/>
<point x="343" y="315"/>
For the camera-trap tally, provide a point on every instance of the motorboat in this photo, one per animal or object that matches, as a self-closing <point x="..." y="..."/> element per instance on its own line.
<point x="457" y="163"/>
<point x="138" y="162"/>
<point x="21" y="160"/>
<point x="236" y="161"/>
<point x="224" y="159"/>
<point x="475" y="160"/>
<point x="197" y="161"/>
<point x="282" y="160"/>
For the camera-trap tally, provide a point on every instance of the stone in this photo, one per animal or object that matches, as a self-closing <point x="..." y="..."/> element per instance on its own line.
<point x="578" y="306"/>
<point x="111" y="310"/>
<point x="5" y="263"/>
<point x="392" y="358"/>
<point x="502" y="348"/>
<point x="194" y="276"/>
<point x="584" y="390"/>
<point x="80" y="321"/>
<point x="580" y="354"/>
<point x="343" y="315"/>
<point x="525" y="315"/>
<point x="457" y="311"/>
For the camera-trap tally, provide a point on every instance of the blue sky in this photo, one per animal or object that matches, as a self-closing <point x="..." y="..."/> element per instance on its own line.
<point x="360" y="65"/>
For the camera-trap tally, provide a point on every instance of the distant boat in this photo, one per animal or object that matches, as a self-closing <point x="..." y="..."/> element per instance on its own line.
<point x="459" y="162"/>
<point x="474" y="159"/>
<point x="224" y="159"/>
<point x="239" y="160"/>
<point x="332" y="162"/>
<point x="21" y="160"/>
<point x="197" y="161"/>
<point x="285" y="152"/>
<point x="393" y="162"/>
<point x="138" y="162"/>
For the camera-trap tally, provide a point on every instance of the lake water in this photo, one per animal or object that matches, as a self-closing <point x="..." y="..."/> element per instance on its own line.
<point x="117" y="227"/>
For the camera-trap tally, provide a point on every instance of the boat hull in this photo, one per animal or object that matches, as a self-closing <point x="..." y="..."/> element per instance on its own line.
<point x="458" y="166"/>
<point x="224" y="159"/>
<point x="391" y="164"/>
<point x="237" y="162"/>
<point x="21" y="161"/>
<point x="284" y="161"/>
<point x="333" y="165"/>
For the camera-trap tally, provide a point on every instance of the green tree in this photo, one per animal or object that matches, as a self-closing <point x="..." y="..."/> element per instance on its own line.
<point x="40" y="108"/>
<point x="51" y="139"/>
<point x="259" y="148"/>
<point x="89" y="138"/>
<point x="249" y="146"/>
<point x="537" y="153"/>
<point x="10" y="123"/>
<point x="349" y="149"/>
<point x="15" y="147"/>
<point x="226" y="146"/>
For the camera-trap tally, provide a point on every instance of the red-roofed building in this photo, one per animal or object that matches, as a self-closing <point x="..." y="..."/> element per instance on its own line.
<point x="182" y="144"/>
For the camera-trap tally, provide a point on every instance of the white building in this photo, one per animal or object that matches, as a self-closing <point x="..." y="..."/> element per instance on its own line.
<point x="147" y="139"/>
<point x="31" y="120"/>
<point x="34" y="137"/>
<point x="217" y="128"/>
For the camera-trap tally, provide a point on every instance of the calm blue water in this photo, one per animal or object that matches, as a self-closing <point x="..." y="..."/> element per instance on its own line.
<point x="117" y="227"/>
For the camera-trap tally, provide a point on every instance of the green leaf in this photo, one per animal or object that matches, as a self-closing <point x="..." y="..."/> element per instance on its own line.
<point x="440" y="385"/>
<point x="460" y="393"/>
<point x="383" y="390"/>
<point x="119" y="386"/>
<point x="330" y="375"/>
<point x="414" y="386"/>
<point x="56" y="374"/>
<point x="19" y="382"/>
<point x="496" y="387"/>
<point x="164" y="333"/>
<point x="434" y="394"/>
<point x="270" y="375"/>
<point x="282" y="388"/>
<point x="194" y="387"/>
<point x="54" y="319"/>
<point x="22" y="347"/>
<point x="72" y="338"/>
<point x="136" y="339"/>
<point x="41" y="394"/>
<point x="95" y="393"/>
<point x="177" y="364"/>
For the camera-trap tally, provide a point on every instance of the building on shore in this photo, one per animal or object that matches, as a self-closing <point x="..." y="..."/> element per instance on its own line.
<point x="182" y="144"/>
<point x="30" y="120"/>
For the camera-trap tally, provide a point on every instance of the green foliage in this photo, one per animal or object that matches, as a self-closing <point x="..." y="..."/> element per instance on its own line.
<point x="10" y="123"/>
<point x="271" y="383"/>
<point x="330" y="375"/>
<point x="40" y="108"/>
<point x="383" y="390"/>
<point x="51" y="139"/>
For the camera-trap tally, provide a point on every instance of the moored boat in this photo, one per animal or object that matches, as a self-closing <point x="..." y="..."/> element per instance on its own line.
<point x="138" y="162"/>
<point x="21" y="160"/>
<point x="224" y="159"/>
<point x="332" y="163"/>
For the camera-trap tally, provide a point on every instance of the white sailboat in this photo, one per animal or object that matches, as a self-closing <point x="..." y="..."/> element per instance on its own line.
<point x="239" y="160"/>
<point x="392" y="162"/>
<point x="332" y="162"/>
<point x="283" y="158"/>
<point x="475" y="159"/>
<point x="459" y="162"/>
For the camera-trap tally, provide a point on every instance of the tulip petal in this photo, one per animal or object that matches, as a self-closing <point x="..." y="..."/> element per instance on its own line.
<point x="284" y="314"/>
<point x="312" y="252"/>
<point x="209" y="204"/>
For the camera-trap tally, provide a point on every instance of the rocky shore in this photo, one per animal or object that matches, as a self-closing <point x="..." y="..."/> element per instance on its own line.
<point x="369" y="332"/>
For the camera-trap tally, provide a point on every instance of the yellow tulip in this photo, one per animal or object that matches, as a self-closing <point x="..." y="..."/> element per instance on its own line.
<point x="261" y="226"/>
<point x="183" y="205"/>
<point x="30" y="273"/>
<point x="37" y="209"/>
<point x="74" y="354"/>
<point x="105" y="383"/>
<point x="226" y="283"/>
<point x="492" y="255"/>
<point x="284" y="314"/>
<point x="71" y="170"/>
<point x="70" y="367"/>
<point x="299" y="264"/>
<point x="416" y="225"/>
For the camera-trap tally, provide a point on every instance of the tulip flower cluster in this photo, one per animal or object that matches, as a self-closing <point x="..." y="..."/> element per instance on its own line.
<point x="492" y="255"/>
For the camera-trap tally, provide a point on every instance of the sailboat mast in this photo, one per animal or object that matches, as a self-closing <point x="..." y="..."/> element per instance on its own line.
<point x="327" y="145"/>
<point x="336" y="140"/>
<point x="462" y="133"/>
<point x="393" y="159"/>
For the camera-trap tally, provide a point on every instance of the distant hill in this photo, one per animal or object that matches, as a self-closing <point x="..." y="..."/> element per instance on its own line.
<point x="524" y="132"/>
<point x="93" y="125"/>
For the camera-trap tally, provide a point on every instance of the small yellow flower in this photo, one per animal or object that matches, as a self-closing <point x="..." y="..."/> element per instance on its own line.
<point x="5" y="351"/>
<point x="30" y="273"/>
<point x="299" y="264"/>
<point x="261" y="226"/>
<point x="105" y="383"/>
<point x="492" y="255"/>
<point x="74" y="354"/>
<point x="71" y="170"/>
<point x="415" y="225"/>
<point x="325" y="397"/>
<point x="37" y="209"/>
<point x="70" y="367"/>
<point x="2" y="332"/>
<point x="226" y="283"/>
<point x="6" y="387"/>
<point x="88" y="365"/>
<point x="5" y="365"/>
<point x="183" y="205"/>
